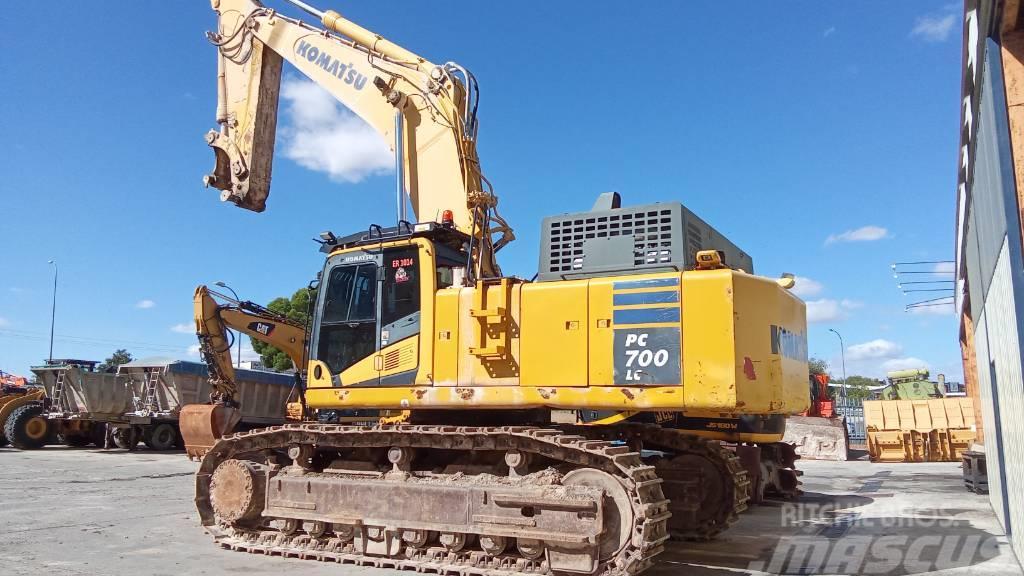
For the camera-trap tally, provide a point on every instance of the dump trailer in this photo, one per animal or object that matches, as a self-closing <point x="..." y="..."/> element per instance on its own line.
<point x="81" y="402"/>
<point x="929" y="430"/>
<point x="164" y="386"/>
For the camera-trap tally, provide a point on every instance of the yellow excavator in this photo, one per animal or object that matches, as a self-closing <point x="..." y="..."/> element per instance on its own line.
<point x="644" y="322"/>
<point x="203" y="424"/>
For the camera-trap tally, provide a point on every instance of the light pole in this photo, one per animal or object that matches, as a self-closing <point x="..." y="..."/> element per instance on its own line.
<point x="53" y="309"/>
<point x="238" y="364"/>
<point x="842" y="352"/>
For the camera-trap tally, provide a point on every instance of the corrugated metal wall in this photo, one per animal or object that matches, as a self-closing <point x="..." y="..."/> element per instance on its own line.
<point x="999" y="375"/>
<point x="995" y="275"/>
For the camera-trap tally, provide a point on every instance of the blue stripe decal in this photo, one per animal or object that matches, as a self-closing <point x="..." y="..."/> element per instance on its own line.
<point x="629" y="298"/>
<point x="646" y="315"/>
<point x="650" y="283"/>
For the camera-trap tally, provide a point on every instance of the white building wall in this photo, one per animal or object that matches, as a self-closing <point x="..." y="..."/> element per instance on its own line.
<point x="999" y="355"/>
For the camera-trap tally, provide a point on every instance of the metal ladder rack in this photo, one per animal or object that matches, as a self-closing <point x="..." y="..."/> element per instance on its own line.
<point x="59" y="400"/>
<point x="152" y="392"/>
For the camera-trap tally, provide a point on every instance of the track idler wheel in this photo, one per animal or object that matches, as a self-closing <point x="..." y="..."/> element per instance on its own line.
<point x="238" y="491"/>
<point x="618" y="509"/>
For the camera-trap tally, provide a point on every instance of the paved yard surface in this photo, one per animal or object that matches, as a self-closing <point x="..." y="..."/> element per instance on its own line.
<point x="83" y="512"/>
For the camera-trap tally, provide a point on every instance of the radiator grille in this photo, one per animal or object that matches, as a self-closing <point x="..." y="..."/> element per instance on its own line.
<point x="651" y="231"/>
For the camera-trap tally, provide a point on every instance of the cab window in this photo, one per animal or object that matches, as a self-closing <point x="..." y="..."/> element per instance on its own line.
<point x="348" y="325"/>
<point x="400" y="294"/>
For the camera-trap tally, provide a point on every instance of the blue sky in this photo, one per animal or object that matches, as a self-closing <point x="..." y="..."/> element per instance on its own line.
<point x="783" y="125"/>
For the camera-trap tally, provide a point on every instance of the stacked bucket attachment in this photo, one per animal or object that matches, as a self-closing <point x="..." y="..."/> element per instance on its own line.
<point x="934" y="430"/>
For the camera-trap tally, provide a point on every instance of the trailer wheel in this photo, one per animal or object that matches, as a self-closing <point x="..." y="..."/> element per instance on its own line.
<point x="126" y="438"/>
<point x="161" y="436"/>
<point x="26" y="428"/>
<point x="98" y="434"/>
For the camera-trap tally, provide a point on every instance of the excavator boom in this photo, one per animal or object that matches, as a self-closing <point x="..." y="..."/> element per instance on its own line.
<point x="424" y="111"/>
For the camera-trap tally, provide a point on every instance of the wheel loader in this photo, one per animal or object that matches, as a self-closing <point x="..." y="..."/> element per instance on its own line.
<point x="21" y="422"/>
<point x="645" y="314"/>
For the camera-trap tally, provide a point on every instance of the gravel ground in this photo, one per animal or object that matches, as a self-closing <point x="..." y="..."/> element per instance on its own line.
<point x="85" y="511"/>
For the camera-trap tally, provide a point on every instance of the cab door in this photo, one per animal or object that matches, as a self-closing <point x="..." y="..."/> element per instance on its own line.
<point x="400" y="315"/>
<point x="346" y="332"/>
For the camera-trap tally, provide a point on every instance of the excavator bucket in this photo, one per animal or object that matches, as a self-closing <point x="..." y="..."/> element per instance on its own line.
<point x="203" y="424"/>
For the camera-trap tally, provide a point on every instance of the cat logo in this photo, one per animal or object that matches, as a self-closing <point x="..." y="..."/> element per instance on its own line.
<point x="264" y="328"/>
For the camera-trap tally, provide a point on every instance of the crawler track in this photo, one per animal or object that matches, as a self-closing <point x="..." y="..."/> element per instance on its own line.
<point x="706" y="482"/>
<point x="649" y="507"/>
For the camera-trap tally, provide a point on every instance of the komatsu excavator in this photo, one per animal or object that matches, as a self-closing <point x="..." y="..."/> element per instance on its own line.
<point x="644" y="318"/>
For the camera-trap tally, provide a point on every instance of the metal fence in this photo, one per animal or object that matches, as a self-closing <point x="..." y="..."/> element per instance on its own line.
<point x="853" y="409"/>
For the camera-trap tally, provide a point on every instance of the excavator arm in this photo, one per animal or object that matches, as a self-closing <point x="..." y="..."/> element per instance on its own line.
<point x="213" y="321"/>
<point x="202" y="424"/>
<point x="424" y="111"/>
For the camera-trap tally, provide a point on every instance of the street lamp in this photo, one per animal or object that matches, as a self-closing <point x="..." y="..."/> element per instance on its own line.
<point x="842" y="351"/>
<point x="223" y="285"/>
<point x="53" y="309"/>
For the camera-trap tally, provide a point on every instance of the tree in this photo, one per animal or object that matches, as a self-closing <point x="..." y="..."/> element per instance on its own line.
<point x="120" y="356"/>
<point x="817" y="366"/>
<point x="295" y="308"/>
<point x="859" y="387"/>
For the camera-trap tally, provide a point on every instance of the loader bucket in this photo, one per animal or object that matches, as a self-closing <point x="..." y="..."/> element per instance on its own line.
<point x="203" y="424"/>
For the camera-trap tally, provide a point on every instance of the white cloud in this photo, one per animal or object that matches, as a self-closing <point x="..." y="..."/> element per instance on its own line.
<point x="824" y="310"/>
<point x="944" y="268"/>
<point x="4" y="322"/>
<point x="829" y="31"/>
<point x="904" y="364"/>
<point x="862" y="234"/>
<point x="145" y="304"/>
<point x="829" y="310"/>
<point x="873" y="350"/>
<point x="805" y="287"/>
<point x="325" y="136"/>
<point x="193" y="350"/>
<point x="184" y="328"/>
<point x="934" y="28"/>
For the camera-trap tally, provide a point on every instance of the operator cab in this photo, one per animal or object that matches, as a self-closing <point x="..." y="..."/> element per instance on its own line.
<point x="367" y="319"/>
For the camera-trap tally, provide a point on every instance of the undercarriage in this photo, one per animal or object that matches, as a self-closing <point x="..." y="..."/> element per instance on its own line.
<point x="472" y="500"/>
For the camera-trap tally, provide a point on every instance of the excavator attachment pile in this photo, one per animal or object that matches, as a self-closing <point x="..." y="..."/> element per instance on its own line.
<point x="935" y="430"/>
